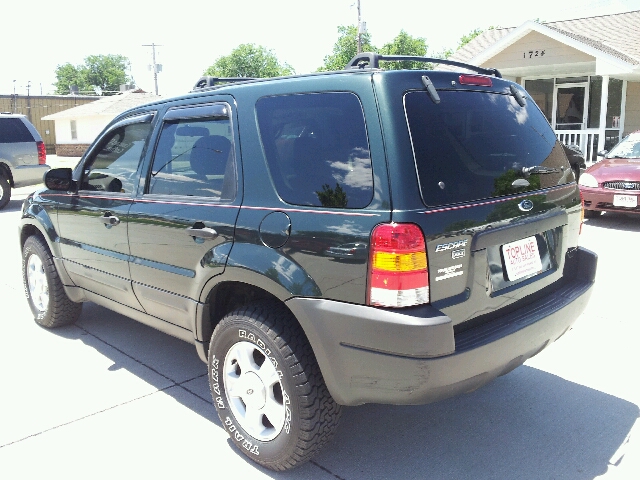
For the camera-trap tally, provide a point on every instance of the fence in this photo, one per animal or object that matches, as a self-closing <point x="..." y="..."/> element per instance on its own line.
<point x="35" y="107"/>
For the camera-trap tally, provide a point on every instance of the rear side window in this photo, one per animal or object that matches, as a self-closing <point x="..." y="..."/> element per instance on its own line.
<point x="13" y="130"/>
<point x="317" y="149"/>
<point x="475" y="145"/>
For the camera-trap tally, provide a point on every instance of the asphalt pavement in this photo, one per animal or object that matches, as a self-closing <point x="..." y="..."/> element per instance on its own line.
<point x="112" y="398"/>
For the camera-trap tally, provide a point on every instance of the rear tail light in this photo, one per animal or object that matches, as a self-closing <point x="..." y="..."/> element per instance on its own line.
<point x="42" y="153"/>
<point x="398" y="272"/>
<point x="478" y="80"/>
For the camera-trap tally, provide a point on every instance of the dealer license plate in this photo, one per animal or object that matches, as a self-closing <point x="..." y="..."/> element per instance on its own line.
<point x="630" y="201"/>
<point x="521" y="258"/>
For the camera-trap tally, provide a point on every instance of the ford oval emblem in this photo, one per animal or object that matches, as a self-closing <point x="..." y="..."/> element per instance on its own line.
<point x="525" y="205"/>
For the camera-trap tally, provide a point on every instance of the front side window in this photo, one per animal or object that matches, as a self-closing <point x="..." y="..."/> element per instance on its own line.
<point x="194" y="157"/>
<point x="317" y="149"/>
<point x="113" y="168"/>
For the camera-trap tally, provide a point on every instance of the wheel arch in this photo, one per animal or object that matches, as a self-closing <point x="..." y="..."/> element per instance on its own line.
<point x="37" y="221"/>
<point x="5" y="171"/>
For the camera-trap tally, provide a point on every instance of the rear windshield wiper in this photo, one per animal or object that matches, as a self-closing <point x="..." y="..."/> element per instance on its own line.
<point x="538" y="170"/>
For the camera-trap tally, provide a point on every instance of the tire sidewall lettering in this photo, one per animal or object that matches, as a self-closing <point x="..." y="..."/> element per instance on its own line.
<point x="249" y="445"/>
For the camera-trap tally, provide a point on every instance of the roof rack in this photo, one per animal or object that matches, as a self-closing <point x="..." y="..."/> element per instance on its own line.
<point x="372" y="60"/>
<point x="207" y="81"/>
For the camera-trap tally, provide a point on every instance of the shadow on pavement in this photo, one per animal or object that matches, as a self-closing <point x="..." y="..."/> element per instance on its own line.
<point x="14" y="205"/>
<point x="616" y="221"/>
<point x="529" y="424"/>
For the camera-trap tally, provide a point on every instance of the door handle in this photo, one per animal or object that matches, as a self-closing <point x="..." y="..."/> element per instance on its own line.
<point x="204" y="233"/>
<point x="110" y="220"/>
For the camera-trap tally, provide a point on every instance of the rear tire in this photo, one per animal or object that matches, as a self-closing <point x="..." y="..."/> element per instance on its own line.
<point x="5" y="192"/>
<point x="592" y="213"/>
<point x="267" y="387"/>
<point x="49" y="302"/>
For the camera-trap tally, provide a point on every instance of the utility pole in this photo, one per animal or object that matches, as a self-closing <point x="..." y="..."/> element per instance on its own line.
<point x="29" y="100"/>
<point x="156" y="68"/>
<point x="359" y="30"/>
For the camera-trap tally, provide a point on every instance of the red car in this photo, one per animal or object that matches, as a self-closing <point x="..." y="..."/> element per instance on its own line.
<point x="613" y="184"/>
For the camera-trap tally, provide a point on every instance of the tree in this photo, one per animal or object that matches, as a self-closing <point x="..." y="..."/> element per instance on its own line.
<point x="346" y="48"/>
<point x="106" y="72"/>
<point x="249" y="60"/>
<point x="468" y="37"/>
<point x="405" y="44"/>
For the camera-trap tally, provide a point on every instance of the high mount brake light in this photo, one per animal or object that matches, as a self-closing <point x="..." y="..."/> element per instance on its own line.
<point x="398" y="272"/>
<point x="478" y="80"/>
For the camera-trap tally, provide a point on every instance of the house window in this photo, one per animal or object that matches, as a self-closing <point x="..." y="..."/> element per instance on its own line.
<point x="614" y="105"/>
<point x="74" y="130"/>
<point x="595" y="96"/>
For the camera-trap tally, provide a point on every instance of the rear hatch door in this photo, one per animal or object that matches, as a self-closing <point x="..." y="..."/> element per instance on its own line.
<point x="500" y="205"/>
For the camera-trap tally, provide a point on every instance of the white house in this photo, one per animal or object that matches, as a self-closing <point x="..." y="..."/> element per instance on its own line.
<point x="584" y="74"/>
<point x="77" y="127"/>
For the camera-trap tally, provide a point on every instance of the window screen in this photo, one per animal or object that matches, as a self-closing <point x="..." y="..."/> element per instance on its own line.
<point x="194" y="157"/>
<point x="113" y="168"/>
<point x="317" y="149"/>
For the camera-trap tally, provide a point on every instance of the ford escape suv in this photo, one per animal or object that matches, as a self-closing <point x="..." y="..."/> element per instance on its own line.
<point x="209" y="216"/>
<point x="23" y="156"/>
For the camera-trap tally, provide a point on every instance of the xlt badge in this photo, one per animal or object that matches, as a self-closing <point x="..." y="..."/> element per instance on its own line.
<point x="443" y="247"/>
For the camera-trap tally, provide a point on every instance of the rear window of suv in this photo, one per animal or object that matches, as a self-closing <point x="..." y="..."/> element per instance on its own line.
<point x="13" y="130"/>
<point x="473" y="146"/>
<point x="317" y="149"/>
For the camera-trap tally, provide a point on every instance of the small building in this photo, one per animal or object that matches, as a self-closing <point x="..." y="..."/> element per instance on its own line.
<point x="584" y="74"/>
<point x="76" y="128"/>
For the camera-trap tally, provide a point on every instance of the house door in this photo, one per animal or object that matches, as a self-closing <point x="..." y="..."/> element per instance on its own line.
<point x="570" y="111"/>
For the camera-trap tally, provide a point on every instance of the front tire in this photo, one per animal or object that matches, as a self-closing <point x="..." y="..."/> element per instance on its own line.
<point x="49" y="302"/>
<point x="267" y="387"/>
<point x="5" y="192"/>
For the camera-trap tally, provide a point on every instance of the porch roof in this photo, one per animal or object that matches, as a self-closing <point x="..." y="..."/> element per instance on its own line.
<point x="609" y="44"/>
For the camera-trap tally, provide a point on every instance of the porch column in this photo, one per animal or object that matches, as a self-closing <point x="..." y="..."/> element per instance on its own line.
<point x="604" y="100"/>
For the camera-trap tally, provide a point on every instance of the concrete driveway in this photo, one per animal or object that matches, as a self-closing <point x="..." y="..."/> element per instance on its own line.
<point x="111" y="398"/>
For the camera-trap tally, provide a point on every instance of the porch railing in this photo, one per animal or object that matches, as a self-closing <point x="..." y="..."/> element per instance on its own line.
<point x="587" y="140"/>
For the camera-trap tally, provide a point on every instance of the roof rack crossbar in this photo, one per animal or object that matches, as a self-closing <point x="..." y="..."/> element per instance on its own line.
<point x="209" y="81"/>
<point x="372" y="60"/>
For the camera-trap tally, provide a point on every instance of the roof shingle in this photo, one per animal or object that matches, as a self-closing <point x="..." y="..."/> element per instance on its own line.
<point x="617" y="35"/>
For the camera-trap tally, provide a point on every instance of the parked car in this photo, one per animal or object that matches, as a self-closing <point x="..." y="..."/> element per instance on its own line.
<point x="23" y="156"/>
<point x="454" y="182"/>
<point x="613" y="184"/>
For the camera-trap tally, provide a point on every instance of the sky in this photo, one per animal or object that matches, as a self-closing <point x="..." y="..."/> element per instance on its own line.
<point x="192" y="35"/>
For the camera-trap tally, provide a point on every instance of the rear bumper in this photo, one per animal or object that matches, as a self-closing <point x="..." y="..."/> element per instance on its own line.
<point x="371" y="355"/>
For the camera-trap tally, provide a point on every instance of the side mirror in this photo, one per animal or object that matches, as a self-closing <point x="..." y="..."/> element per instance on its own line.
<point x="602" y="153"/>
<point x="59" y="179"/>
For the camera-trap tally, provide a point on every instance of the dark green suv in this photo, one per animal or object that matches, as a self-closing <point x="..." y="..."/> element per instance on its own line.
<point x="215" y="217"/>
